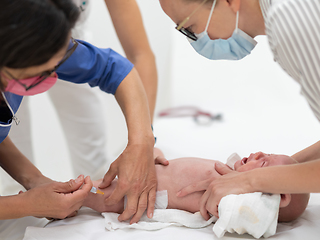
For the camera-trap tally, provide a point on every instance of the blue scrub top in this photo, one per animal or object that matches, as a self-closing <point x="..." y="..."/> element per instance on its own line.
<point x="88" y="64"/>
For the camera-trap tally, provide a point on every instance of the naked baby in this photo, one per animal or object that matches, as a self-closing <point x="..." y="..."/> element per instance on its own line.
<point x="182" y="172"/>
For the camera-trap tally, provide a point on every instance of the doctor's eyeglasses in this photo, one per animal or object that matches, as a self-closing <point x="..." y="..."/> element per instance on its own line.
<point x="72" y="47"/>
<point x="185" y="31"/>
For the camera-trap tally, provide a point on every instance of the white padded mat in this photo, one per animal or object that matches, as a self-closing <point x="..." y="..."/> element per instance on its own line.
<point x="217" y="141"/>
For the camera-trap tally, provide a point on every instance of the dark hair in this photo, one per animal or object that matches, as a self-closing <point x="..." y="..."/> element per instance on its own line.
<point x="33" y="31"/>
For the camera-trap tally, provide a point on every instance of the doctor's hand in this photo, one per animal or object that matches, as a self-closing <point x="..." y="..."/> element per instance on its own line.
<point x="137" y="180"/>
<point x="57" y="199"/>
<point x="202" y="185"/>
<point x="230" y="182"/>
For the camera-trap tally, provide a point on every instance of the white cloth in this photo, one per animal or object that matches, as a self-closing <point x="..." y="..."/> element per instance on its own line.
<point x="14" y="229"/>
<point x="162" y="218"/>
<point x="161" y="200"/>
<point x="234" y="157"/>
<point x="253" y="213"/>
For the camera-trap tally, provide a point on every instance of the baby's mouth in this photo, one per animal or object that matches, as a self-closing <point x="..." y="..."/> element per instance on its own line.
<point x="244" y="161"/>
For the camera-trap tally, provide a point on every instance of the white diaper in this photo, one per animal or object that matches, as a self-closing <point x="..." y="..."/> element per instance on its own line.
<point x="234" y="157"/>
<point x="161" y="200"/>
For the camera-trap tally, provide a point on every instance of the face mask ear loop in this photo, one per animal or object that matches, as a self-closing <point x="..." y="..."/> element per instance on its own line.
<point x="210" y="15"/>
<point x="237" y="21"/>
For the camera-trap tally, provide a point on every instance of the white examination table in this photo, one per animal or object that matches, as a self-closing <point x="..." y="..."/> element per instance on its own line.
<point x="182" y="137"/>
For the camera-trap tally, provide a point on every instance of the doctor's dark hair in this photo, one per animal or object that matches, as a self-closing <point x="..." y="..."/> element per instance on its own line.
<point x="33" y="31"/>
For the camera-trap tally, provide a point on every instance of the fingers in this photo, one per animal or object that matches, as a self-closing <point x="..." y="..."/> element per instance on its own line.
<point x="108" y="177"/>
<point x="136" y="209"/>
<point x="222" y="168"/>
<point x="118" y="193"/>
<point x="195" y="187"/>
<point x="80" y="194"/>
<point x="70" y="186"/>
<point x="203" y="206"/>
<point x="151" y="202"/>
<point x="131" y="208"/>
<point x="212" y="206"/>
<point x="87" y="185"/>
<point x="142" y="206"/>
<point x="60" y="199"/>
<point x="161" y="160"/>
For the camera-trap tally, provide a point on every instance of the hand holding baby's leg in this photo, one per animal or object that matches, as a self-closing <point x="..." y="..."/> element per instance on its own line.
<point x="97" y="201"/>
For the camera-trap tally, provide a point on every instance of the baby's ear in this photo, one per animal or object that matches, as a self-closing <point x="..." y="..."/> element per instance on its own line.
<point x="285" y="200"/>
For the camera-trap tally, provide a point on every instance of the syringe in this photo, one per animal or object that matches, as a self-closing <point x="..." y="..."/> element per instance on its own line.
<point x="96" y="191"/>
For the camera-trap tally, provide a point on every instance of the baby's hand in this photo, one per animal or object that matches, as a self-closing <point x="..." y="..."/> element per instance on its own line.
<point x="161" y="160"/>
<point x="159" y="157"/>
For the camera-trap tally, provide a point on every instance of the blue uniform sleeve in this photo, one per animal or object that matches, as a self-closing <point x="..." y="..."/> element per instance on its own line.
<point x="99" y="67"/>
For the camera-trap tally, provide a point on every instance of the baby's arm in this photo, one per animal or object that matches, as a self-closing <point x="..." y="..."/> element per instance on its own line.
<point x="97" y="201"/>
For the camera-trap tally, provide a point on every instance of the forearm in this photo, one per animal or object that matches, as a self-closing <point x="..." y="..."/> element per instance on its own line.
<point x="310" y="153"/>
<point x="12" y="207"/>
<point x="17" y="165"/>
<point x="132" y="99"/>
<point x="146" y="68"/>
<point x="295" y="178"/>
<point x="128" y="24"/>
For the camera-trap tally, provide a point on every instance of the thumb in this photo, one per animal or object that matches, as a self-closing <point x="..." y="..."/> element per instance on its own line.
<point x="222" y="168"/>
<point x="108" y="178"/>
<point x="195" y="187"/>
<point x="70" y="186"/>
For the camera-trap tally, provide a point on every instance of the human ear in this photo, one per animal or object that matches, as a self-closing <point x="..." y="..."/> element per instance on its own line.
<point x="285" y="200"/>
<point x="234" y="5"/>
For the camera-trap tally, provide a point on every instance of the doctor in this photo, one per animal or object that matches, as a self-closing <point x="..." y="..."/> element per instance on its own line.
<point x="36" y="48"/>
<point x="224" y="29"/>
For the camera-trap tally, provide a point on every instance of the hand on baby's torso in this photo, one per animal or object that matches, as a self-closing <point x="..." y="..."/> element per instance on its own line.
<point x="180" y="173"/>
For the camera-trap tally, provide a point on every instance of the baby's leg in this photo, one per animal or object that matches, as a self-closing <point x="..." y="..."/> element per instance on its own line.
<point x="97" y="201"/>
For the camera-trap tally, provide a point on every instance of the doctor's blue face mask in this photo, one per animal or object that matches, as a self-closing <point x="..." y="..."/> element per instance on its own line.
<point x="236" y="47"/>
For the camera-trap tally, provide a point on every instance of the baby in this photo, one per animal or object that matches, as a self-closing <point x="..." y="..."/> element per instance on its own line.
<point x="182" y="172"/>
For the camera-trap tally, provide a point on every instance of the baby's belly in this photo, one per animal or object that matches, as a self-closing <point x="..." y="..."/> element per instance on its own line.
<point x="183" y="172"/>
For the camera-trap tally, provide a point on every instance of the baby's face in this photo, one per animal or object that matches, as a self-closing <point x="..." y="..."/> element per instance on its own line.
<point x="259" y="159"/>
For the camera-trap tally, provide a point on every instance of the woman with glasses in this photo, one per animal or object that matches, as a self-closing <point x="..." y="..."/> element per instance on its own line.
<point x="78" y="107"/>
<point x="221" y="29"/>
<point x="36" y="48"/>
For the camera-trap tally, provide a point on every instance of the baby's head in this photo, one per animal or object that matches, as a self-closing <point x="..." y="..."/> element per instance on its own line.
<point x="291" y="205"/>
